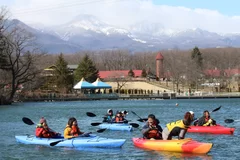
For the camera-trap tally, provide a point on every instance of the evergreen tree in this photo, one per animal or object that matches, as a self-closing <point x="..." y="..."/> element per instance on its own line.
<point x="87" y="70"/>
<point x="196" y="55"/>
<point x="62" y="75"/>
<point x="144" y="73"/>
<point x="131" y="73"/>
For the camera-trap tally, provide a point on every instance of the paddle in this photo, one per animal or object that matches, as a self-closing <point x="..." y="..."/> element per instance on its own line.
<point x="84" y="135"/>
<point x="135" y="125"/>
<point x="27" y="121"/>
<point x="216" y="109"/>
<point x="90" y="114"/>
<point x="141" y="119"/>
<point x="231" y="120"/>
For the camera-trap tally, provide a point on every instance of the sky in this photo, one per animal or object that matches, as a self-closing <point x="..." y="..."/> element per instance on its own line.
<point x="219" y="16"/>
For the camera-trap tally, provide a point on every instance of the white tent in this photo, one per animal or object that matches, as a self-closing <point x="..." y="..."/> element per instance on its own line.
<point x="84" y="85"/>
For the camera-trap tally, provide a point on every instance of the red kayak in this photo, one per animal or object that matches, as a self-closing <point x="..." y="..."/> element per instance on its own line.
<point x="218" y="129"/>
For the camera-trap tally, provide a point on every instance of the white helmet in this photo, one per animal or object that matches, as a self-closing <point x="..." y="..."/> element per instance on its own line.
<point x="191" y="112"/>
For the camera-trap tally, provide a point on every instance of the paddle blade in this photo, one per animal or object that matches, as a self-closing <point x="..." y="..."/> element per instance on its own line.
<point x="95" y="124"/>
<point x="135" y="125"/>
<point x="55" y="143"/>
<point x="216" y="109"/>
<point x="90" y="114"/>
<point x="142" y="120"/>
<point x="27" y="121"/>
<point x="101" y="130"/>
<point x="229" y="121"/>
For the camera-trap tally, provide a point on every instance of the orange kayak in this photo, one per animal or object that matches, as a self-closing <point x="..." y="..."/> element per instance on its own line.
<point x="184" y="145"/>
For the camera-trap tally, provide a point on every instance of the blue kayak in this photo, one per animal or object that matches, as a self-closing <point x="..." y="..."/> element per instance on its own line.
<point x="116" y="126"/>
<point x="92" y="141"/>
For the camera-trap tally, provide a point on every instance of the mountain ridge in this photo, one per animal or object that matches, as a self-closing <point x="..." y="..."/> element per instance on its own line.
<point x="86" y="32"/>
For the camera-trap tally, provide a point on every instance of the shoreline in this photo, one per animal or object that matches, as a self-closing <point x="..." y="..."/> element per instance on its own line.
<point x="129" y="97"/>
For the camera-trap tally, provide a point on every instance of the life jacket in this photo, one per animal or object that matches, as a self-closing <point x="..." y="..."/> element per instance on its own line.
<point x="75" y="131"/>
<point x="153" y="134"/>
<point x="178" y="123"/>
<point x="119" y="119"/>
<point x="43" y="132"/>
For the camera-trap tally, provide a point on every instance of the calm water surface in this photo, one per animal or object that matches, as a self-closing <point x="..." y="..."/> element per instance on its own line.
<point x="57" y="114"/>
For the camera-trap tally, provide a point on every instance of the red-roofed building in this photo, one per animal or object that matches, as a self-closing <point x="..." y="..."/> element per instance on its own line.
<point x="226" y="72"/>
<point x="118" y="74"/>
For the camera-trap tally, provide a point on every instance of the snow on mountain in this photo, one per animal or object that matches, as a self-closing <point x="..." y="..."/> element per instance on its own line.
<point x="93" y="34"/>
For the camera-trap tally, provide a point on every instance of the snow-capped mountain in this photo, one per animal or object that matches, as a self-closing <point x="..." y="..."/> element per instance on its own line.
<point x="86" y="32"/>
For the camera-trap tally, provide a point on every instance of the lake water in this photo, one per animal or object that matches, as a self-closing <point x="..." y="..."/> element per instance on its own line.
<point x="57" y="114"/>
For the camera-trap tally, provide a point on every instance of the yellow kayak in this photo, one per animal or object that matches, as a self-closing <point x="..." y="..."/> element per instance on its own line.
<point x="183" y="145"/>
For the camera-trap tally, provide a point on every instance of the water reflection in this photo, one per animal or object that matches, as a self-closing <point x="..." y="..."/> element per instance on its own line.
<point x="176" y="155"/>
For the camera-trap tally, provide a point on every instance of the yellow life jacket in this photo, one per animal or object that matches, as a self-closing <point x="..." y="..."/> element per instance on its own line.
<point x="178" y="123"/>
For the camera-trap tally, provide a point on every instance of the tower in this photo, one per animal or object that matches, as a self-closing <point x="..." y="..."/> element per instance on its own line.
<point x="159" y="65"/>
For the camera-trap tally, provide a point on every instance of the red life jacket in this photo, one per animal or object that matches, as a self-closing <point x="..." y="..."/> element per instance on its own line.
<point x="44" y="133"/>
<point x="76" y="131"/>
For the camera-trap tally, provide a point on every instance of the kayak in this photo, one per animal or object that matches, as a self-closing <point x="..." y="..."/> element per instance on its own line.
<point x="92" y="141"/>
<point x="218" y="129"/>
<point x="183" y="145"/>
<point x="116" y="126"/>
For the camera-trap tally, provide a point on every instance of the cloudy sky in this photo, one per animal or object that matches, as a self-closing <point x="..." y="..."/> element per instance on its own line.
<point x="213" y="15"/>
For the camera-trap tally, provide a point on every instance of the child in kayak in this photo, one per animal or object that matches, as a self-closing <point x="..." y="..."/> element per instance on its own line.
<point x="43" y="131"/>
<point x="72" y="129"/>
<point x="178" y="128"/>
<point x="109" y="116"/>
<point x="206" y="120"/>
<point x="152" y="129"/>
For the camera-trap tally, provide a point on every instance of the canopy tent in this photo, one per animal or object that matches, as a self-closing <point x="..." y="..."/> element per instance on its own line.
<point x="99" y="84"/>
<point x="84" y="85"/>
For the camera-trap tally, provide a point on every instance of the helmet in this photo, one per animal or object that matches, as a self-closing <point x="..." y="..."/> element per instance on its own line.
<point x="109" y="110"/>
<point x="191" y="112"/>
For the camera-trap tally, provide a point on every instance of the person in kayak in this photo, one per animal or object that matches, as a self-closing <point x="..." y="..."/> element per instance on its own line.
<point x="178" y="128"/>
<point x="118" y="118"/>
<point x="195" y="120"/>
<point x="109" y="116"/>
<point x="206" y="120"/>
<point x="72" y="129"/>
<point x="152" y="129"/>
<point x="43" y="131"/>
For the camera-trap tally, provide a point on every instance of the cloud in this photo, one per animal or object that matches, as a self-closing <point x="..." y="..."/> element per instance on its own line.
<point x="124" y="13"/>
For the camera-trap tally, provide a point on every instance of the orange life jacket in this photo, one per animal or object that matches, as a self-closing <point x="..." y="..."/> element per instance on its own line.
<point x="119" y="119"/>
<point x="153" y="134"/>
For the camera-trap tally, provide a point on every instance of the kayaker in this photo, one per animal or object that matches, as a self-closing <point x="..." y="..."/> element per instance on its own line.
<point x="178" y="128"/>
<point x="43" y="131"/>
<point x="206" y="120"/>
<point x="124" y="114"/>
<point x="109" y="116"/>
<point x="195" y="120"/>
<point x="119" y="118"/>
<point x="72" y="129"/>
<point x="152" y="129"/>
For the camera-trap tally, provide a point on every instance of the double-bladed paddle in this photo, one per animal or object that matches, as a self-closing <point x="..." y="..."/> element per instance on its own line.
<point x="140" y="119"/>
<point x="90" y="114"/>
<point x="135" y="125"/>
<point x="27" y="121"/>
<point x="216" y="109"/>
<point x="84" y="135"/>
<point x="231" y="120"/>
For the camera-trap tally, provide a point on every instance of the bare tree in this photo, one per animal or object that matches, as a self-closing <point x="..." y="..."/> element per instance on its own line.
<point x="21" y="56"/>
